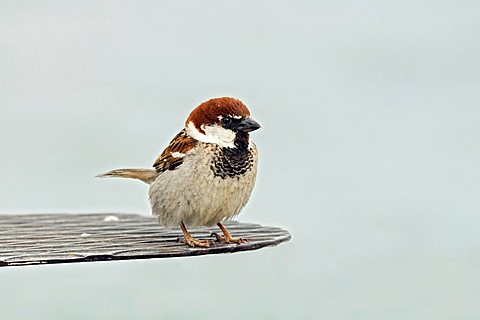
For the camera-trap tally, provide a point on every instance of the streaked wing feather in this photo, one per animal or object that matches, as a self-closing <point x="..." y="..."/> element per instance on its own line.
<point x="172" y="157"/>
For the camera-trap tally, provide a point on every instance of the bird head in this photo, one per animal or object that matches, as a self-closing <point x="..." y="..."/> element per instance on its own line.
<point x="220" y="121"/>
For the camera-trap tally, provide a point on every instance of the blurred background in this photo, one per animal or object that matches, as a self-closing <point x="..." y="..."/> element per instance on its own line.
<point x="369" y="151"/>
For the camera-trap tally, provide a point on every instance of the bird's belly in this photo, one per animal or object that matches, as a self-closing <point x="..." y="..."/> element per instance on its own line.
<point x="197" y="197"/>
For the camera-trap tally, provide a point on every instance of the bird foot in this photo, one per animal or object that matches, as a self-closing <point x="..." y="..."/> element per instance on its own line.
<point x="228" y="239"/>
<point x="194" y="242"/>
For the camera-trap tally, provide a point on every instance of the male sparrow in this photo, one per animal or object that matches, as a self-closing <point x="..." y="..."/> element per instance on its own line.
<point x="207" y="172"/>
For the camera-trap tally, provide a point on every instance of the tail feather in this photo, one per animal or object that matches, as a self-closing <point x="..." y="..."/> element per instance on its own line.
<point x="145" y="175"/>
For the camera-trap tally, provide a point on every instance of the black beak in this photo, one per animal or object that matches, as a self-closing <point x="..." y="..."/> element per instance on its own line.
<point x="248" y="125"/>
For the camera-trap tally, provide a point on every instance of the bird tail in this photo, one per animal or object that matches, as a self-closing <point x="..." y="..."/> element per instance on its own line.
<point x="145" y="175"/>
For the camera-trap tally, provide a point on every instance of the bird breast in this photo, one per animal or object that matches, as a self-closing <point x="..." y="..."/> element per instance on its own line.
<point x="211" y="185"/>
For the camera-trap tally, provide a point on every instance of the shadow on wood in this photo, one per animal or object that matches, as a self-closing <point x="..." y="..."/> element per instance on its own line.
<point x="65" y="238"/>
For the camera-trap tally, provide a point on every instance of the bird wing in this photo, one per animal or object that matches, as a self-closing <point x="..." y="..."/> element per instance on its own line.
<point x="172" y="157"/>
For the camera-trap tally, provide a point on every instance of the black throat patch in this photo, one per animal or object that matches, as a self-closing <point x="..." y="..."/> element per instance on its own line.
<point x="233" y="162"/>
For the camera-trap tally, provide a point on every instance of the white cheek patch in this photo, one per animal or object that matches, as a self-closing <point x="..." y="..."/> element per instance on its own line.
<point x="213" y="134"/>
<point x="225" y="137"/>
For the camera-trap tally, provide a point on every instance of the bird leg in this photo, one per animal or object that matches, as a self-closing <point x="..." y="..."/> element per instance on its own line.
<point x="227" y="237"/>
<point x="193" y="242"/>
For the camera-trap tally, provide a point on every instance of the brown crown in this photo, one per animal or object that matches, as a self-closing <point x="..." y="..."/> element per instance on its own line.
<point x="208" y="112"/>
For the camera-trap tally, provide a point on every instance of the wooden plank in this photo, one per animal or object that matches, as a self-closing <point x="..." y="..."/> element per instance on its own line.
<point x="31" y="239"/>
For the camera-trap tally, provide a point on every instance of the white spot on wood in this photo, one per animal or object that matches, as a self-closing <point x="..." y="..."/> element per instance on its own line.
<point x="111" y="218"/>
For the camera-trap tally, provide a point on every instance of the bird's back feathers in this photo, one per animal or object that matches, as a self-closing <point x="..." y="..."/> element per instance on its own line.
<point x="173" y="155"/>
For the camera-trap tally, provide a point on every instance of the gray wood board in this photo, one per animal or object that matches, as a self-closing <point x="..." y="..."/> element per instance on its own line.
<point x="29" y="239"/>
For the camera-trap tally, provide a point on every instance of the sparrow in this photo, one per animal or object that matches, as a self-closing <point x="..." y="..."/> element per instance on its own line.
<point x="206" y="174"/>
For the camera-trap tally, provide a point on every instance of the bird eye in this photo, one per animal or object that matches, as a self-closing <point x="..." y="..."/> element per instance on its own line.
<point x="226" y="121"/>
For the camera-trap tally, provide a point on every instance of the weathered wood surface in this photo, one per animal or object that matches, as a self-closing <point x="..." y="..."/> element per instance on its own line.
<point x="65" y="238"/>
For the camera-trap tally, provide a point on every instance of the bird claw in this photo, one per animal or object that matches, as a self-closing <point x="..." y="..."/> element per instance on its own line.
<point x="229" y="239"/>
<point x="216" y="235"/>
<point x="181" y="239"/>
<point x="193" y="242"/>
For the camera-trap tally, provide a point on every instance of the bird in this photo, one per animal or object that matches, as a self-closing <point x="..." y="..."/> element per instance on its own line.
<point x="206" y="174"/>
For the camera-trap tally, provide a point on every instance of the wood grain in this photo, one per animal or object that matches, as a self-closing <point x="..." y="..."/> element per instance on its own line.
<point x="30" y="239"/>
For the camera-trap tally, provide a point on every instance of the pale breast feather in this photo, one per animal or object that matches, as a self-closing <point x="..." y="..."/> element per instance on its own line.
<point x="172" y="157"/>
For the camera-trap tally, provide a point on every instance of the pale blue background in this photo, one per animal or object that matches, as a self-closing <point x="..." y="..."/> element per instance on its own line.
<point x="369" y="151"/>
